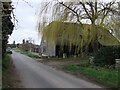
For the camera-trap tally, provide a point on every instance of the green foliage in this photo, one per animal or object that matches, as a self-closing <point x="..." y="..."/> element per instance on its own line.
<point x="7" y="28"/>
<point x="33" y="55"/>
<point x="66" y="33"/>
<point x="30" y="55"/>
<point x="16" y="50"/>
<point x="102" y="75"/>
<point x="6" y="61"/>
<point x="6" y="65"/>
<point x="107" y="55"/>
<point x="7" y="24"/>
<point x="79" y="34"/>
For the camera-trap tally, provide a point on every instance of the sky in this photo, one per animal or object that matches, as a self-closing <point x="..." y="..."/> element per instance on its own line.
<point x="26" y="27"/>
<point x="27" y="21"/>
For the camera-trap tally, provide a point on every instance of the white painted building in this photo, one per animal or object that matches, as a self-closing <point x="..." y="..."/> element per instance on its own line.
<point x="105" y="39"/>
<point x="47" y="50"/>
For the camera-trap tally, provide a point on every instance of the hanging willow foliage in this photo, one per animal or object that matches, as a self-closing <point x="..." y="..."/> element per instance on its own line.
<point x="61" y="22"/>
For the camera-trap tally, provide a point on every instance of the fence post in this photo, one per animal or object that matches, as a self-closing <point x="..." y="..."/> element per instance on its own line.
<point x="91" y="60"/>
<point x="64" y="55"/>
<point x="117" y="63"/>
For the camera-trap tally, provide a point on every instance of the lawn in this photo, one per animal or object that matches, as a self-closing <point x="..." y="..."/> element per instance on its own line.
<point x="105" y="76"/>
<point x="31" y="55"/>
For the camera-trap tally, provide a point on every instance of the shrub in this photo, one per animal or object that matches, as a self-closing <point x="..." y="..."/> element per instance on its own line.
<point x="107" y="55"/>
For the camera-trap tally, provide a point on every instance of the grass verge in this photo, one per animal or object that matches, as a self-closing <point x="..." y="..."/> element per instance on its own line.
<point x="31" y="55"/>
<point x="108" y="77"/>
<point x="84" y="59"/>
<point x="16" y="50"/>
<point x="10" y="77"/>
<point x="6" y="80"/>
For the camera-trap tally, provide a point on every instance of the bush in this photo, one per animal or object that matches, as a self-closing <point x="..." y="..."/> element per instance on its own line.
<point x="107" y="55"/>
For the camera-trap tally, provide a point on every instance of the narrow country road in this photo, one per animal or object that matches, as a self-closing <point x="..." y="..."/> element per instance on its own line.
<point x="38" y="75"/>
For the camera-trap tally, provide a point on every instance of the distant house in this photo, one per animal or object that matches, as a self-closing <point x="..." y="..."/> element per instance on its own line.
<point x="28" y="47"/>
<point x="35" y="49"/>
<point x="53" y="49"/>
<point x="25" y="46"/>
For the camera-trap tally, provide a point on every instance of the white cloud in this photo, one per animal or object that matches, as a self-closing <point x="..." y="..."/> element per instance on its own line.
<point x="27" y="21"/>
<point x="19" y="35"/>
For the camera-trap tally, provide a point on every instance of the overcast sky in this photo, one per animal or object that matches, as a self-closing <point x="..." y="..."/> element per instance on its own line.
<point x="27" y="20"/>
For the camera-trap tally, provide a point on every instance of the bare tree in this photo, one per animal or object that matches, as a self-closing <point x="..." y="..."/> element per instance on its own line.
<point x="95" y="12"/>
<point x="113" y="23"/>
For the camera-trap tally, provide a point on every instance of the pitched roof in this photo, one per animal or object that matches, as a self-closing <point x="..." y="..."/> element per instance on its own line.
<point x="105" y="37"/>
<point x="108" y="39"/>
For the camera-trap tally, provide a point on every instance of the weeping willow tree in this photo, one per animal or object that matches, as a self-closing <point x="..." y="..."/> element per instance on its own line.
<point x="113" y="23"/>
<point x="90" y="17"/>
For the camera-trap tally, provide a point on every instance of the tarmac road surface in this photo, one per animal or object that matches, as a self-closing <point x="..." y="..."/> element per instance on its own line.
<point x="38" y="75"/>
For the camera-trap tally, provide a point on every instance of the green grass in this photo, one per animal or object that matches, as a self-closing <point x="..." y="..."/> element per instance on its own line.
<point x="27" y="53"/>
<point x="33" y="55"/>
<point x="30" y="55"/>
<point x="6" y="61"/>
<point x="105" y="76"/>
<point x="84" y="59"/>
<point x="6" y="83"/>
<point x="16" y="50"/>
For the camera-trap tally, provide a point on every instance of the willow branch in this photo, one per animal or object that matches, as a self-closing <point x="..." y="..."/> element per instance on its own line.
<point x="72" y="11"/>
